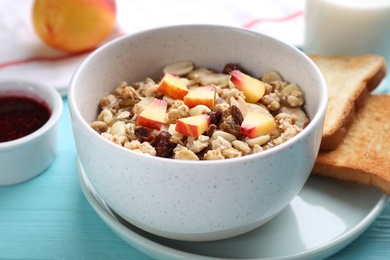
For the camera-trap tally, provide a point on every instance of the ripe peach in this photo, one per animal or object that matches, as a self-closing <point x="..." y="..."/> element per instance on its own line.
<point x="172" y="86"/>
<point x="200" y="96"/>
<point x="74" y="25"/>
<point x="253" y="88"/>
<point x="153" y="115"/>
<point x="256" y="124"/>
<point x="193" y="125"/>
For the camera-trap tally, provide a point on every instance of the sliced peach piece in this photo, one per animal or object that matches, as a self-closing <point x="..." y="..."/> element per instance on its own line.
<point x="172" y="86"/>
<point x="256" y="124"/>
<point x="200" y="96"/>
<point x="153" y="115"/>
<point x="253" y="88"/>
<point x="193" y="125"/>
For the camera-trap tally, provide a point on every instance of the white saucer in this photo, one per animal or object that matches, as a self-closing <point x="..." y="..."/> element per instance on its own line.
<point x="325" y="217"/>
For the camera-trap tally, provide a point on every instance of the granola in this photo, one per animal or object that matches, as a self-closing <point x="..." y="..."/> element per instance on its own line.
<point x="201" y="114"/>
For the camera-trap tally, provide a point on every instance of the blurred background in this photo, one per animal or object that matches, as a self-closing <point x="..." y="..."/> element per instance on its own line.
<point x="23" y="53"/>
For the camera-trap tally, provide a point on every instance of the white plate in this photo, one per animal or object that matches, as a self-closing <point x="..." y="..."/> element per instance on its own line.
<point x="325" y="217"/>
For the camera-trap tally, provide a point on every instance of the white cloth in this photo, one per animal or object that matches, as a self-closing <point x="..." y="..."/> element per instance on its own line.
<point x="23" y="54"/>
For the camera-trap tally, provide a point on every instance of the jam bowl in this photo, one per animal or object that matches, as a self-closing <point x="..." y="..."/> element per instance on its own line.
<point x="29" y="113"/>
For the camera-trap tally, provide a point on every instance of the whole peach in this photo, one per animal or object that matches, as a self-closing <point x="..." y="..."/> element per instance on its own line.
<point x="74" y="25"/>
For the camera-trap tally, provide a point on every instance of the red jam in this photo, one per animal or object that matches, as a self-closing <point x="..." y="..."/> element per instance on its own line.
<point x="20" y="116"/>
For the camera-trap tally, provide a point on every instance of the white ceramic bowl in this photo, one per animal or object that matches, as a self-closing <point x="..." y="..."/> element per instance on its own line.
<point x="24" y="158"/>
<point x="194" y="200"/>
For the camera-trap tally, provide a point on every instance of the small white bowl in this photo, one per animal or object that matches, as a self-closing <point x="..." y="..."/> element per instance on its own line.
<point x="24" y="158"/>
<point x="194" y="200"/>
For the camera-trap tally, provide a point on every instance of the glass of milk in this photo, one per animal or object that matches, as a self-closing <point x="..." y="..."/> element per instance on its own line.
<point x="348" y="27"/>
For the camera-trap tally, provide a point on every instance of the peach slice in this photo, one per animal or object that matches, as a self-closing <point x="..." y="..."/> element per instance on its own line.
<point x="171" y="85"/>
<point x="200" y="96"/>
<point x="256" y="124"/>
<point x="153" y="115"/>
<point x="253" y="88"/>
<point x="193" y="125"/>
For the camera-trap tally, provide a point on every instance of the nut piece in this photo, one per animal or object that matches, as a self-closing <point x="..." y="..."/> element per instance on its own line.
<point x="224" y="135"/>
<point x="199" y="109"/>
<point x="99" y="126"/>
<point x="106" y="116"/>
<point x="241" y="146"/>
<point x="257" y="108"/>
<point x="271" y="76"/>
<point x="207" y="77"/>
<point x="180" y="68"/>
<point x="258" y="140"/>
<point x="123" y="115"/>
<point x="118" y="128"/>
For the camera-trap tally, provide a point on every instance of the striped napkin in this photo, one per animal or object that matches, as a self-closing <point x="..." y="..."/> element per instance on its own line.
<point x="24" y="56"/>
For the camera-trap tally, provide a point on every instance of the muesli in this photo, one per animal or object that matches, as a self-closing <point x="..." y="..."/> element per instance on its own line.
<point x="200" y="114"/>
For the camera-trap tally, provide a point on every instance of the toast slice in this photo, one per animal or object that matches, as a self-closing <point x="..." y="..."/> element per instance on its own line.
<point x="349" y="79"/>
<point x="364" y="154"/>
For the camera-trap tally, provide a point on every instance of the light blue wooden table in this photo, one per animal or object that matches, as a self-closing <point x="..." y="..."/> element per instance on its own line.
<point x="49" y="218"/>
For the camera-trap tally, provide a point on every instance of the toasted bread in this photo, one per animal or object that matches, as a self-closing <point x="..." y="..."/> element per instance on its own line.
<point x="364" y="154"/>
<point x="349" y="79"/>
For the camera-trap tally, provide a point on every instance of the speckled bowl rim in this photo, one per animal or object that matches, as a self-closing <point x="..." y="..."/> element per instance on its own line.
<point x="314" y="122"/>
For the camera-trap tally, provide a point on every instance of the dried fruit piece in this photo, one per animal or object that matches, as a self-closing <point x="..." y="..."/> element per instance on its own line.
<point x="241" y="104"/>
<point x="236" y="115"/>
<point x="144" y="134"/>
<point x="163" y="145"/>
<point x="215" y="117"/>
<point x="210" y="131"/>
<point x="229" y="67"/>
<point x="231" y="127"/>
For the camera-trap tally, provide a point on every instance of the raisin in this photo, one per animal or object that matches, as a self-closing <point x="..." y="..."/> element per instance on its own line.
<point x="231" y="127"/>
<point x="212" y="128"/>
<point x="236" y="115"/>
<point x="215" y="117"/>
<point x="144" y="134"/>
<point x="230" y="67"/>
<point x="203" y="152"/>
<point x="163" y="145"/>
